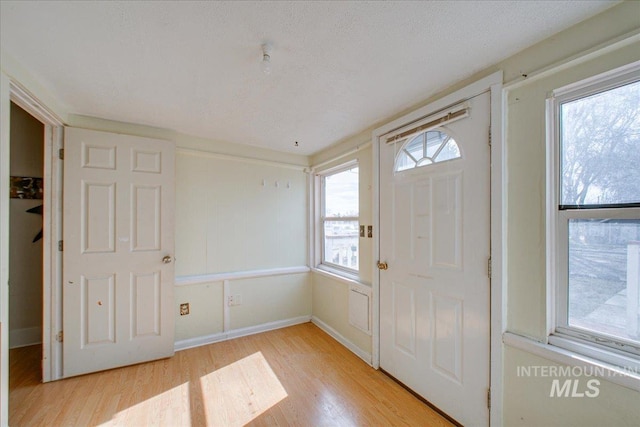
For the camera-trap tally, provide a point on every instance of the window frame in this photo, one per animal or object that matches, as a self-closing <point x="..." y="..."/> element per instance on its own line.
<point x="612" y="350"/>
<point x="322" y="219"/>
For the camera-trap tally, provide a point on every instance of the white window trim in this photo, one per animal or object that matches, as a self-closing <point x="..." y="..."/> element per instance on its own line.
<point x="573" y="349"/>
<point x="334" y="269"/>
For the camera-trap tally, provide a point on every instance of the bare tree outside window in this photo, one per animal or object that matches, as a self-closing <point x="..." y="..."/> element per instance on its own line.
<point x="601" y="148"/>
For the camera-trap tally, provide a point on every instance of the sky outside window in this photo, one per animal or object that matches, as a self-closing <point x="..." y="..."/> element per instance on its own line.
<point x="341" y="194"/>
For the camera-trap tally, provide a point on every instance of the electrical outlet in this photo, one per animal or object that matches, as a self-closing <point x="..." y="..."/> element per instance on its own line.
<point x="233" y="300"/>
<point x="184" y="309"/>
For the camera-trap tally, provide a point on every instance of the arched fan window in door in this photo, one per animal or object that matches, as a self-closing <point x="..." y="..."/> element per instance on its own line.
<point x="427" y="148"/>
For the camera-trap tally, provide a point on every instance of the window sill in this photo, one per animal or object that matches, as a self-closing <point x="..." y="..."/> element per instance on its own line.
<point x="341" y="276"/>
<point x="629" y="378"/>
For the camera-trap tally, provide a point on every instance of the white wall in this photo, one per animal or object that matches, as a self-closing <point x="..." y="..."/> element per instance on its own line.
<point x="270" y="299"/>
<point x="234" y="215"/>
<point x="267" y="303"/>
<point x="25" y="256"/>
<point x="206" y="308"/>
<point x="239" y="215"/>
<point x="331" y="307"/>
<point x="527" y="401"/>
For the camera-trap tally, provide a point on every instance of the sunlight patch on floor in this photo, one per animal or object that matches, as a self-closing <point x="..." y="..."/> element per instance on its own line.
<point x="169" y="408"/>
<point x="240" y="392"/>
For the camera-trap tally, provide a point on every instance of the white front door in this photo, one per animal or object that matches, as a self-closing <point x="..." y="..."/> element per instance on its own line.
<point x="435" y="239"/>
<point x="118" y="269"/>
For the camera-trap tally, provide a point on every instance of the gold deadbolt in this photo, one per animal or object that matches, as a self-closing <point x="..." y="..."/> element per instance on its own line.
<point x="382" y="265"/>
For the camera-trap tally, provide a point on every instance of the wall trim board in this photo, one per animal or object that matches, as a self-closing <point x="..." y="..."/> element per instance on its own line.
<point x="21" y="97"/>
<point x="21" y="77"/>
<point x="237" y="333"/>
<point x="212" y="155"/>
<point x="52" y="222"/>
<point x="5" y="106"/>
<point x="188" y="142"/>
<point x="25" y="337"/>
<point x="341" y="156"/>
<point x="576" y="59"/>
<point x="236" y="275"/>
<point x="498" y="251"/>
<point x="623" y="377"/>
<point x="342" y="340"/>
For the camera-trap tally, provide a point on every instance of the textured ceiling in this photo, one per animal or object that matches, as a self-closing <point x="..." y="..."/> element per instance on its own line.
<point x="337" y="67"/>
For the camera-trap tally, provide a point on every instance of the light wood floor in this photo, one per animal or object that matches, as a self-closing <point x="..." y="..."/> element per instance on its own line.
<point x="294" y="376"/>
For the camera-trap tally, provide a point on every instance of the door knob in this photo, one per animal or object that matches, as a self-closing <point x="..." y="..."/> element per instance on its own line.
<point x="382" y="265"/>
<point x="166" y="259"/>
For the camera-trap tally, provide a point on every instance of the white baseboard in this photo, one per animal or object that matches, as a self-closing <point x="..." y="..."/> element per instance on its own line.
<point x="342" y="340"/>
<point x="236" y="333"/>
<point x="25" y="337"/>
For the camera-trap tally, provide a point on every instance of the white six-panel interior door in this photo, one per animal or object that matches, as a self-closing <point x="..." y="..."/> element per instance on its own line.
<point x="118" y="250"/>
<point x="435" y="294"/>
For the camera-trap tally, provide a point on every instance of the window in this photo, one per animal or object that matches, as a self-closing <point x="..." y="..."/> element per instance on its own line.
<point x="594" y="216"/>
<point x="340" y="218"/>
<point x="427" y="148"/>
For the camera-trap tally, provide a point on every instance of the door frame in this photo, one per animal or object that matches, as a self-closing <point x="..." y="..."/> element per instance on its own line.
<point x="52" y="231"/>
<point x="492" y="83"/>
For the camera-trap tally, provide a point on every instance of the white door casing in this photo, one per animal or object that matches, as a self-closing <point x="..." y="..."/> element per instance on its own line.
<point x="118" y="271"/>
<point x="435" y="295"/>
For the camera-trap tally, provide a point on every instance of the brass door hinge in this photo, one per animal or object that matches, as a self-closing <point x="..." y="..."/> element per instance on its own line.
<point x="61" y="154"/>
<point x="60" y="245"/>
<point x="489" y="267"/>
<point x="60" y="336"/>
